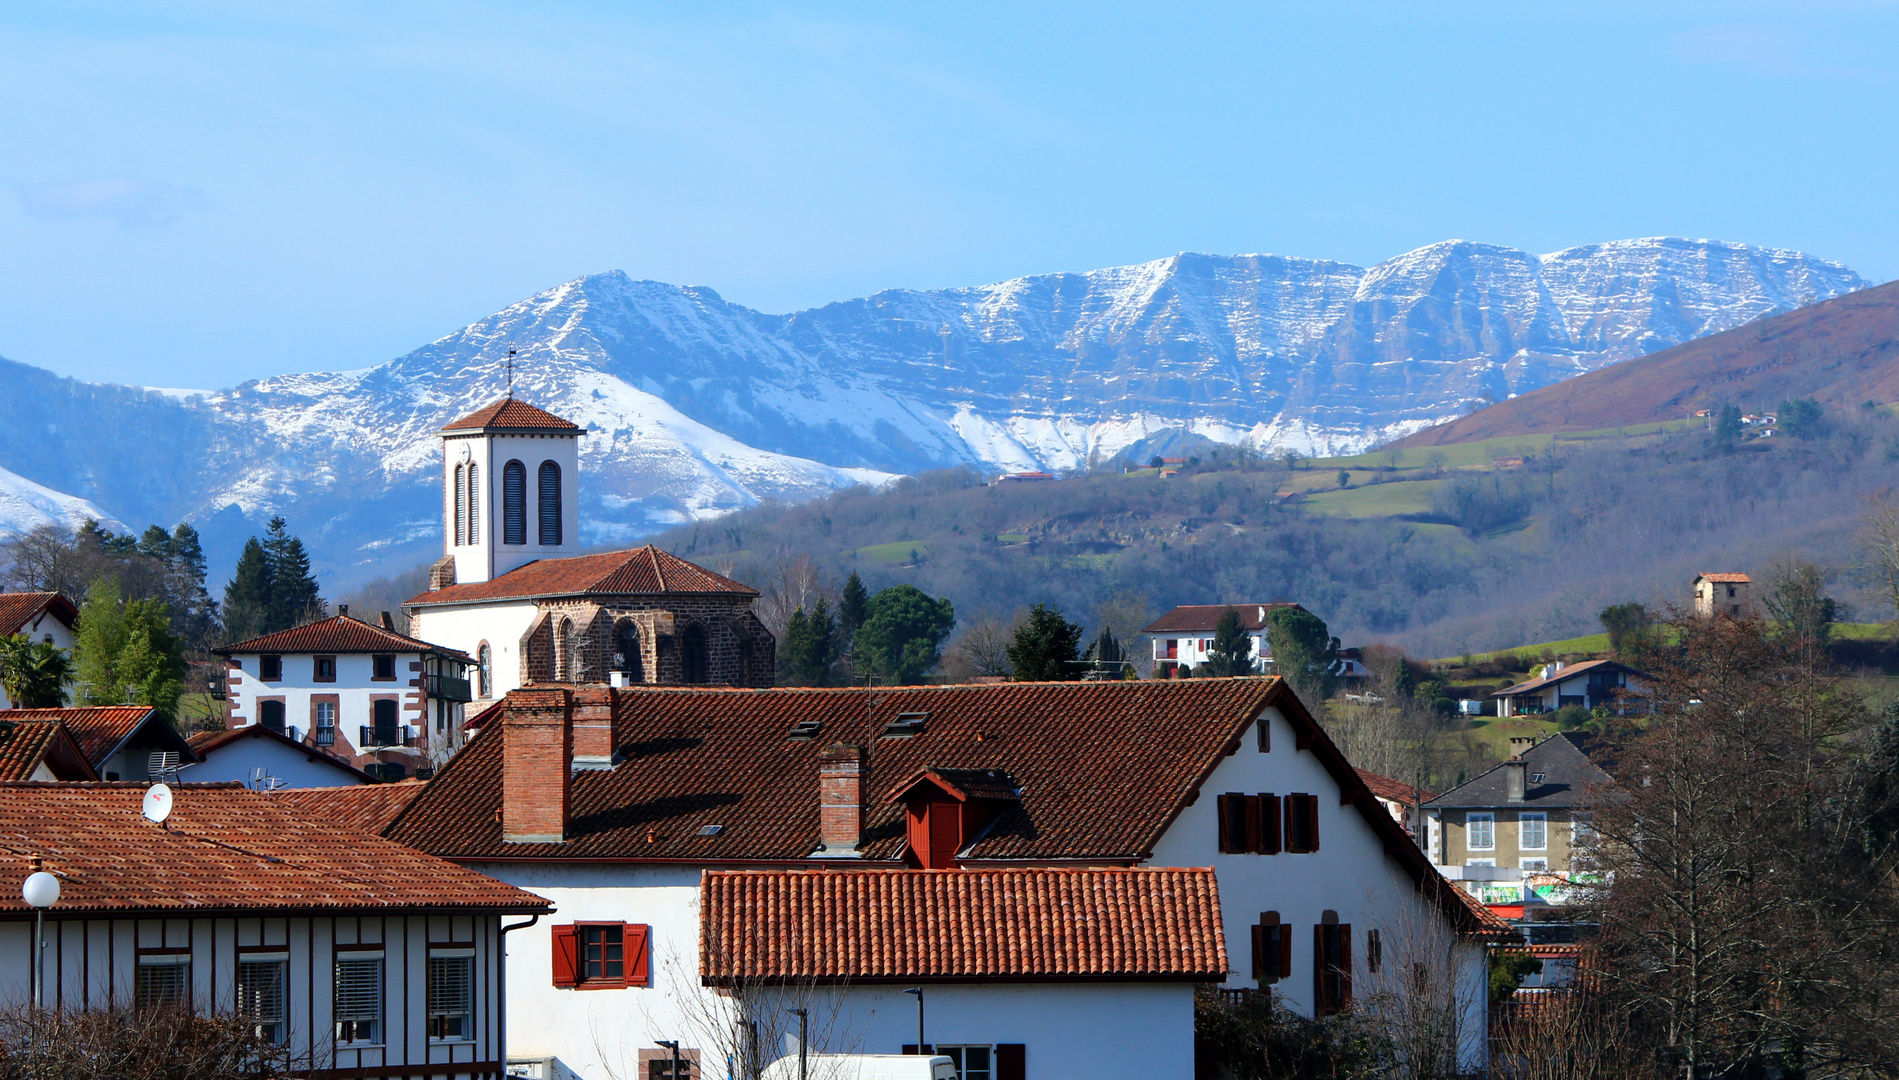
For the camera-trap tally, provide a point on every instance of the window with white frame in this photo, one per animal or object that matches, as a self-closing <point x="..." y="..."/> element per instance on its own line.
<point x="1481" y="831"/>
<point x="1533" y="830"/>
<point x="451" y="994"/>
<point x="358" y="996"/>
<point x="972" y="1062"/>
<point x="260" y="993"/>
<point x="163" y="981"/>
<point x="1534" y="866"/>
<point x="326" y="723"/>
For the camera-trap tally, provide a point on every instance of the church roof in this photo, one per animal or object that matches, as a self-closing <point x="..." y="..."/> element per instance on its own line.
<point x="639" y="572"/>
<point x="509" y="414"/>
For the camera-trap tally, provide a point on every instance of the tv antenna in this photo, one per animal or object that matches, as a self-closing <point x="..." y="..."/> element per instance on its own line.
<point x="261" y="780"/>
<point x="157" y="804"/>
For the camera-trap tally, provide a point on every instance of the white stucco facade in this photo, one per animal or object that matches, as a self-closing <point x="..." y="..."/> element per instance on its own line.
<point x="46" y="627"/>
<point x="483" y="553"/>
<point x="347" y="693"/>
<point x="244" y="760"/>
<point x="499" y="626"/>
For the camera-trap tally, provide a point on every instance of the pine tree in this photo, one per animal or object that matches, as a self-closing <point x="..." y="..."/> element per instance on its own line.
<point x="293" y="591"/>
<point x="902" y="634"/>
<point x="1232" y="652"/>
<point x="811" y="646"/>
<point x="193" y="613"/>
<point x="854" y="607"/>
<point x="1045" y="647"/>
<point x="247" y="602"/>
<point x="1303" y="652"/>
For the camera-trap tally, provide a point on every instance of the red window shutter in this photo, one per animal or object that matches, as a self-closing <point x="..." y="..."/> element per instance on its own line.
<point x="1269" y="825"/>
<point x="1012" y="1061"/>
<point x="1252" y="823"/>
<point x="566" y="956"/>
<point x="1345" y="965"/>
<point x="1285" y="951"/>
<point x="1312" y="823"/>
<point x="1259" y="952"/>
<point x="1226" y="816"/>
<point x="639" y="968"/>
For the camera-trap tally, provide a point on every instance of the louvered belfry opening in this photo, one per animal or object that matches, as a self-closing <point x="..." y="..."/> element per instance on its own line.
<point x="514" y="503"/>
<point x="550" y="504"/>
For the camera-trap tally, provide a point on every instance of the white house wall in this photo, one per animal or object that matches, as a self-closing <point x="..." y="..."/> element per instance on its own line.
<point x="43" y="627"/>
<point x="238" y="760"/>
<point x="91" y="964"/>
<point x="354" y="689"/>
<point x="468" y="627"/>
<point x="489" y="558"/>
<point x="1350" y="874"/>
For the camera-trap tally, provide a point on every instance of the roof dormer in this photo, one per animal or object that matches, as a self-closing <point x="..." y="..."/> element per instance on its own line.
<point x="946" y="810"/>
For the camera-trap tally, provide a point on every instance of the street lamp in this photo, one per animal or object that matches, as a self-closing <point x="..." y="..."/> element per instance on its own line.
<point x="40" y="891"/>
<point x="922" y="1048"/>
<point x="804" y="1016"/>
<point x="674" y="1047"/>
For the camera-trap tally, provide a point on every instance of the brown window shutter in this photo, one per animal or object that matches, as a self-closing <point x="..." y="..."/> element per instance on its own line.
<point x="1252" y="823"/>
<point x="1321" y="986"/>
<point x="1012" y="1061"/>
<point x="566" y="957"/>
<point x="1226" y="816"/>
<point x="1259" y="952"/>
<point x="1345" y="965"/>
<point x="1312" y="823"/>
<point x="1285" y="951"/>
<point x="1296" y="815"/>
<point x="1270" y="824"/>
<point x="639" y="954"/>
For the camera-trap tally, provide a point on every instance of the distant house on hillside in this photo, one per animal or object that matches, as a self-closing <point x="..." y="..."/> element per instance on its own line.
<point x="1589" y="684"/>
<point x="1723" y="594"/>
<point x="1183" y="638"/>
<point x="40" y="616"/>
<point x="1024" y="477"/>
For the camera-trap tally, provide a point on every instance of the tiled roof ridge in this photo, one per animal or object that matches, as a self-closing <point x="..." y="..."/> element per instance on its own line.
<point x="17" y="607"/>
<point x="128" y="785"/>
<point x="277" y="639"/>
<point x="639" y="571"/>
<point x="511" y="413"/>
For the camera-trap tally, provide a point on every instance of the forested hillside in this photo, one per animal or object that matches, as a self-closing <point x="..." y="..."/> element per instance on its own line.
<point x="1466" y="547"/>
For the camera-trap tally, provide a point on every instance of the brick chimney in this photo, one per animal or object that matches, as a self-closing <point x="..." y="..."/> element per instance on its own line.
<point x="536" y="747"/>
<point x="840" y="801"/>
<point x="593" y="729"/>
<point x="1513" y="787"/>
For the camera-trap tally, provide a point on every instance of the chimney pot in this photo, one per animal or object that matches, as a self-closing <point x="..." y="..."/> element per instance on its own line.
<point x="342" y="609"/>
<point x="1513" y="779"/>
<point x="840" y="801"/>
<point x="535" y="774"/>
<point x="593" y="730"/>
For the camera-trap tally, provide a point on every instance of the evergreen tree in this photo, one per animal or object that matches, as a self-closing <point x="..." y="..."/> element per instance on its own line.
<point x="1304" y="653"/>
<point x="810" y="646"/>
<point x="1727" y="426"/>
<point x="193" y="613"/>
<point x="902" y="633"/>
<point x="34" y="673"/>
<point x="854" y="606"/>
<point x="1044" y="646"/>
<point x="1232" y="652"/>
<point x="293" y="590"/>
<point x="247" y="601"/>
<point x="1107" y="653"/>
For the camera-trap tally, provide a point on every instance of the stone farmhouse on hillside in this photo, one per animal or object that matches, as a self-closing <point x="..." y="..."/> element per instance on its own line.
<point x="661" y="821"/>
<point x="1723" y="594"/>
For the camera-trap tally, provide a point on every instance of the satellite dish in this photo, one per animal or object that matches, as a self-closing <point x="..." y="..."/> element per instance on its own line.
<point x="157" y="803"/>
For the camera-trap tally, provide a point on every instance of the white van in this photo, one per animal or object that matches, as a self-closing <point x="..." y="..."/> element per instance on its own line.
<point x="862" y="1067"/>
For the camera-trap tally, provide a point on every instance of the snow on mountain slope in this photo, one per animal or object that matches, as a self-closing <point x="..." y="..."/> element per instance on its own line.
<point x="25" y="506"/>
<point x="696" y="406"/>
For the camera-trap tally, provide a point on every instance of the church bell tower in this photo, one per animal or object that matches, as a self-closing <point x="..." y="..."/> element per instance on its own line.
<point x="508" y="476"/>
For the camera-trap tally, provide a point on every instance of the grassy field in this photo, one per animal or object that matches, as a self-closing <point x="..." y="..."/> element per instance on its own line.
<point x="1389" y="499"/>
<point x="895" y="553"/>
<point x="1495" y="734"/>
<point x="1599" y="643"/>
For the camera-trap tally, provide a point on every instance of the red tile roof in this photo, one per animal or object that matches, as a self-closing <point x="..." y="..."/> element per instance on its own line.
<point x="369" y="807"/>
<point x="640" y="572"/>
<point x="1568" y="671"/>
<point x="19" y="608"/>
<point x="870" y="926"/>
<point x="1202" y="618"/>
<point x="1396" y="790"/>
<point x="102" y="729"/>
<point x="511" y="415"/>
<point x="338" y="634"/>
<point x="206" y="743"/>
<point x="1727" y="579"/>
<point x="26" y="745"/>
<point x="223" y="849"/>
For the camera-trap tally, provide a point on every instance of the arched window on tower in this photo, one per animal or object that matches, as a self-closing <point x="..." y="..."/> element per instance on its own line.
<point x="692" y="655"/>
<point x="484" y="668"/>
<point x="550" y="504"/>
<point x="514" y="503"/>
<point x="461" y="511"/>
<point x="626" y="652"/>
<point x="474" y="504"/>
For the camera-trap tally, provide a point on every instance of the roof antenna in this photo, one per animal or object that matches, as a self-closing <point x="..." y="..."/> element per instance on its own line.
<point x="510" y="372"/>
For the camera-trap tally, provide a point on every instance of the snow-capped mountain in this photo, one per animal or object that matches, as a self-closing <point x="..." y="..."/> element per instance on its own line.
<point x="25" y="506"/>
<point x="696" y="406"/>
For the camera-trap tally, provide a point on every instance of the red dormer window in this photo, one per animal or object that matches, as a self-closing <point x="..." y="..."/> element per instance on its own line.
<point x="946" y="810"/>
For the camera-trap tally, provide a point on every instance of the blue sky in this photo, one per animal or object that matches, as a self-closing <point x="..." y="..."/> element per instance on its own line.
<point x="218" y="192"/>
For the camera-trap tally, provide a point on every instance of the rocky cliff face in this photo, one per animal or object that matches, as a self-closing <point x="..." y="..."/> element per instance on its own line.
<point x="696" y="406"/>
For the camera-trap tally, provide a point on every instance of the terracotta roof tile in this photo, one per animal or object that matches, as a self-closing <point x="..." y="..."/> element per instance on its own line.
<point x="27" y="744"/>
<point x="337" y="634"/>
<point x="1396" y="790"/>
<point x="1202" y="618"/>
<point x="223" y="849"/>
<point x="509" y="414"/>
<point x="639" y="572"/>
<point x="206" y="743"/>
<point x="100" y="729"/>
<point x="972" y="924"/>
<point x="1727" y="579"/>
<point x="18" y="608"/>
<point x="369" y="807"/>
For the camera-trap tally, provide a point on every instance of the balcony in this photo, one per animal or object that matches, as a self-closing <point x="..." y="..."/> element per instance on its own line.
<point x="448" y="688"/>
<point x="385" y="736"/>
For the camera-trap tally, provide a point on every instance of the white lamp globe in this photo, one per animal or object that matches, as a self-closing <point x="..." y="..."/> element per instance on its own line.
<point x="41" y="890"/>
